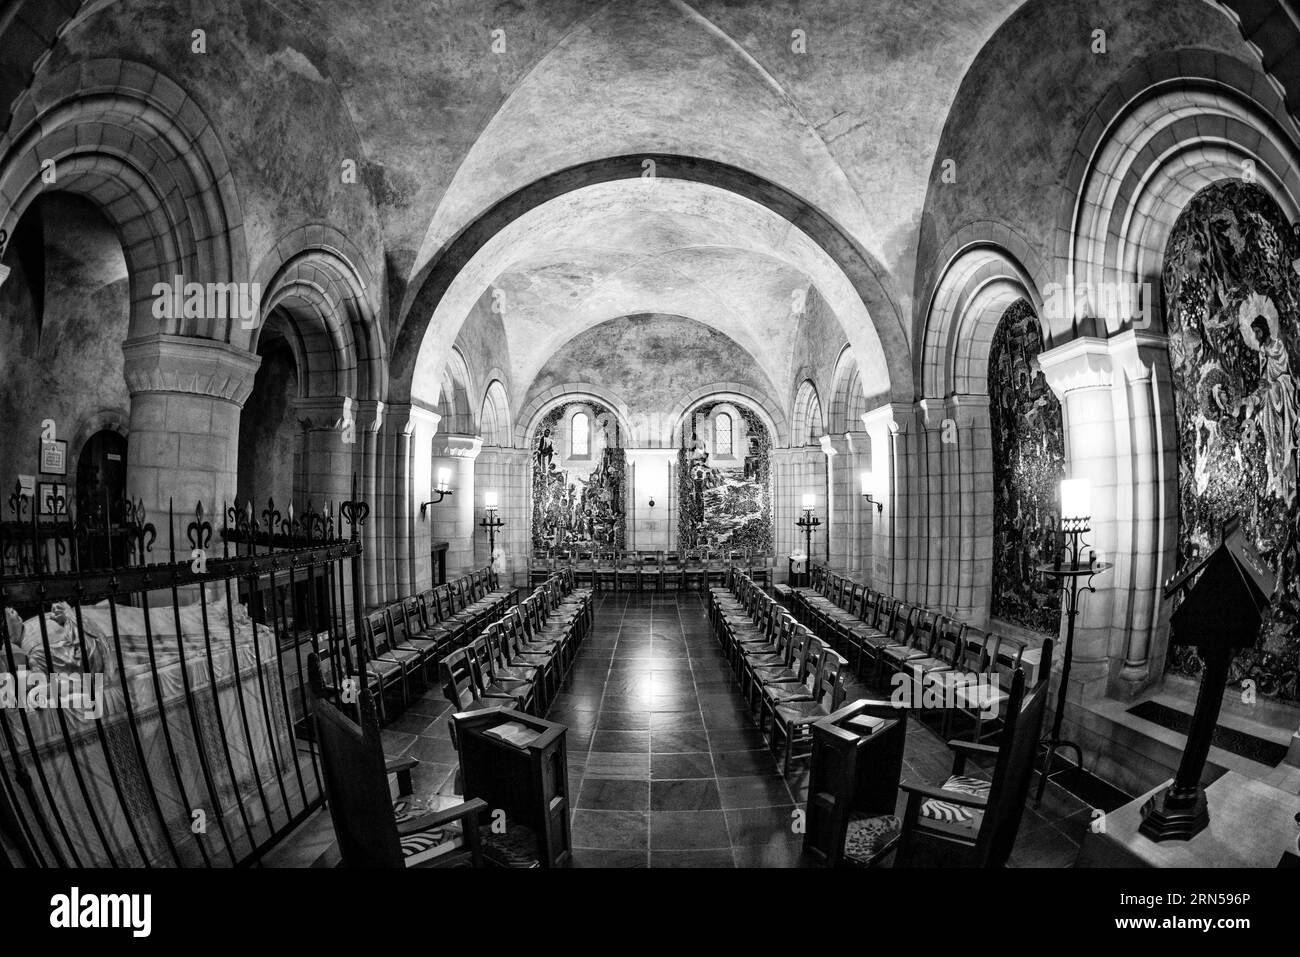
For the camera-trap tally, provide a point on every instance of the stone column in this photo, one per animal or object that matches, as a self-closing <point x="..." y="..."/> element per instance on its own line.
<point x="186" y="396"/>
<point x="888" y="428"/>
<point x="969" y="490"/>
<point x="839" y="511"/>
<point x="453" y="519"/>
<point x="1149" y="514"/>
<point x="330" y="442"/>
<point x="371" y="416"/>
<point x="409" y="535"/>
<point x="1081" y="373"/>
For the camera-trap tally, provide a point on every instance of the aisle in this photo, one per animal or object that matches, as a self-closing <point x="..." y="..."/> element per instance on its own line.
<point x="665" y="769"/>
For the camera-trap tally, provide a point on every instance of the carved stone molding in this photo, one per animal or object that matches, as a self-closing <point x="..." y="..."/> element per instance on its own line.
<point x="1083" y="363"/>
<point x="164" y="363"/>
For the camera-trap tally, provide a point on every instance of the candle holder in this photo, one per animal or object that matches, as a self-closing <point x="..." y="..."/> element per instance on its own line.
<point x="442" y="490"/>
<point x="808" y="523"/>
<point x="1070" y="578"/>
<point x="867" y="495"/>
<point x="490" y="523"/>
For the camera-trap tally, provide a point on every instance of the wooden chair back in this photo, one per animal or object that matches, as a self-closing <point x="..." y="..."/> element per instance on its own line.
<point x="353" y="771"/>
<point x="1015" y="765"/>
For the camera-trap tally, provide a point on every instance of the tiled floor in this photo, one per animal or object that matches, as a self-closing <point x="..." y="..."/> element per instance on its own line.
<point x="665" y="767"/>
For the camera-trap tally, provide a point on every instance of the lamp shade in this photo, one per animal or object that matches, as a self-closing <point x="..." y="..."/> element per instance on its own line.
<point x="444" y="478"/>
<point x="1076" y="498"/>
<point x="809" y="501"/>
<point x="868" y="487"/>
<point x="490" y="499"/>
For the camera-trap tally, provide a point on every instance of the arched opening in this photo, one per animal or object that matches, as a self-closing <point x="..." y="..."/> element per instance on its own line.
<point x="1028" y="464"/>
<point x="724" y="491"/>
<point x="268" y="430"/>
<point x="64" y="312"/>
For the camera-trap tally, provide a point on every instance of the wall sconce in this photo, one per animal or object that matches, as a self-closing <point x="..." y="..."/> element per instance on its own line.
<point x="442" y="490"/>
<point x="867" y="494"/>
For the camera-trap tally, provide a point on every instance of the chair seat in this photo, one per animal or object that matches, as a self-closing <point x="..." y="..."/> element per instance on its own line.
<point x="946" y="812"/>
<point x="903" y="653"/>
<point x="383" y="667"/>
<point x="791" y="693"/>
<point x="801" y="712"/>
<point x="869" y="836"/>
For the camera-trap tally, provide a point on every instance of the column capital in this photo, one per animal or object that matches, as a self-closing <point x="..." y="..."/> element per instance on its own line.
<point x="370" y="414"/>
<point x="321" y="413"/>
<point x="459" y="446"/>
<point x="965" y="407"/>
<point x="1083" y="363"/>
<point x="407" y="417"/>
<point x="892" y="416"/>
<point x="164" y="363"/>
<point x="1137" y="351"/>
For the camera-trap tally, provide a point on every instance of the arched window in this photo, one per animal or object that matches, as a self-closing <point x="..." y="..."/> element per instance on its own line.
<point x="580" y="435"/>
<point x="722" y="434"/>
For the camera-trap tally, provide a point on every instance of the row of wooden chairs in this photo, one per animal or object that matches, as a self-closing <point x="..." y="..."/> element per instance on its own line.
<point x="403" y="641"/>
<point x="792" y="677"/>
<point x="648" y="569"/>
<point x="521" y="660"/>
<point x="944" y="659"/>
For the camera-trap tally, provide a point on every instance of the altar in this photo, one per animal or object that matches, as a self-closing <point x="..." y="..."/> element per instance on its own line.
<point x="1251" y="825"/>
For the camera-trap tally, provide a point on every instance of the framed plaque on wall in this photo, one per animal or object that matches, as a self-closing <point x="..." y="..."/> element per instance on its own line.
<point x="54" y="457"/>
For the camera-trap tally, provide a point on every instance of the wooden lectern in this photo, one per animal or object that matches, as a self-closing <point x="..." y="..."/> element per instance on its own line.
<point x="1224" y="598"/>
<point x="518" y="765"/>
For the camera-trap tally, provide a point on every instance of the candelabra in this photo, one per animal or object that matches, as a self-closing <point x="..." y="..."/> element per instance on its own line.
<point x="490" y="523"/>
<point x="1076" y="512"/>
<point x="808" y="522"/>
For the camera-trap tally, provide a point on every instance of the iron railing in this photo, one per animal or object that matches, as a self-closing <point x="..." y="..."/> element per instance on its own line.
<point x="152" y="713"/>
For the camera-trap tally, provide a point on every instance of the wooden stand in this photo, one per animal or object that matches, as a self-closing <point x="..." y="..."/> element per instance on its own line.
<point x="1224" y="598"/>
<point x="529" y="783"/>
<point x="851" y="772"/>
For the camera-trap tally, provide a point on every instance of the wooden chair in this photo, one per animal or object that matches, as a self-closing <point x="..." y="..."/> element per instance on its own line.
<point x="853" y="785"/>
<point x="693" y="569"/>
<point x="968" y="821"/>
<point x="502" y="681"/>
<point x="793" y="719"/>
<point x="357" y="791"/>
<point x="917" y="641"/>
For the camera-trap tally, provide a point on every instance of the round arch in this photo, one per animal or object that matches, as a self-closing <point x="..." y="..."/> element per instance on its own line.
<point x="807" y="423"/>
<point x="878" y="327"/>
<point x="133" y="142"/>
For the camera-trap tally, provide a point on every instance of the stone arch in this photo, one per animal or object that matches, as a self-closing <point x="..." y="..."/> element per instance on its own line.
<point x="807" y="422"/>
<point x="323" y="289"/>
<point x="979" y="281"/>
<point x="494" y="419"/>
<point x="866" y="278"/>
<point x="1170" y="128"/>
<point x="133" y="142"/>
<point x="458" y="416"/>
<point x="770" y="415"/>
<point x="525" y="424"/>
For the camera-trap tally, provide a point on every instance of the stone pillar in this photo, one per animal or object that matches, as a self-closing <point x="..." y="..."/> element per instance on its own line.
<point x="888" y="428"/>
<point x="370" y="428"/>
<point x="837" y="514"/>
<point x="186" y="396"/>
<point x="409" y="535"/>
<point x="969" y="491"/>
<point x="1149" y="514"/>
<point x="861" y="514"/>
<point x="330" y="433"/>
<point x="1081" y="373"/>
<point x="453" y="519"/>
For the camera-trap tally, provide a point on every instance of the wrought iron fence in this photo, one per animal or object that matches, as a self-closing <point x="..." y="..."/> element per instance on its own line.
<point x="153" y="712"/>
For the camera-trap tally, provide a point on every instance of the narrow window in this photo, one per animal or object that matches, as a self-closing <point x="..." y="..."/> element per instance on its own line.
<point x="722" y="434"/>
<point x="580" y="435"/>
